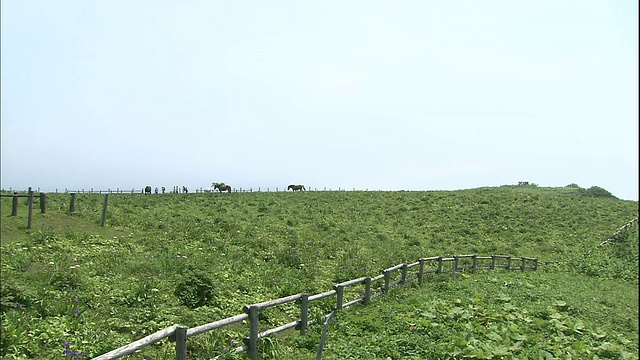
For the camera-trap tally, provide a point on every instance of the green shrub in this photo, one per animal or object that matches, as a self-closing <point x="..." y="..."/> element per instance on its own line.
<point x="573" y="185"/>
<point x="195" y="289"/>
<point x="596" y="191"/>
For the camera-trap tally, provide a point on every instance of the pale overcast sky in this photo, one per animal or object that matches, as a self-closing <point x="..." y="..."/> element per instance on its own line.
<point x="391" y="95"/>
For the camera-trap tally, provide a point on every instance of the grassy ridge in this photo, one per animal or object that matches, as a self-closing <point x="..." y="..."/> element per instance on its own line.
<point x="69" y="280"/>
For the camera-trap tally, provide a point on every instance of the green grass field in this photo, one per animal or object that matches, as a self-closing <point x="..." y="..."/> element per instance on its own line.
<point x="71" y="287"/>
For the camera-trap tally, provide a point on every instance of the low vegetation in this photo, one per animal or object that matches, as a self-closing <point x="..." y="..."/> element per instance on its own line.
<point x="73" y="288"/>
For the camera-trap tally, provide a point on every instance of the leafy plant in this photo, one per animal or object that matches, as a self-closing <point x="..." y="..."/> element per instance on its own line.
<point x="596" y="191"/>
<point x="194" y="289"/>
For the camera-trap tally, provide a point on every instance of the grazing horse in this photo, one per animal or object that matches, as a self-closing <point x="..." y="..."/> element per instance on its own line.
<point x="222" y="187"/>
<point x="147" y="190"/>
<point x="296" y="187"/>
<point x="185" y="190"/>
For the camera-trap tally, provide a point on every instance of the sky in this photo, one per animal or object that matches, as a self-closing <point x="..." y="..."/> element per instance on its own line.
<point x="376" y="95"/>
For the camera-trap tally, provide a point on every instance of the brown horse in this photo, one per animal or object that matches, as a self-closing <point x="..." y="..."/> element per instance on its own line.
<point x="222" y="187"/>
<point x="296" y="187"/>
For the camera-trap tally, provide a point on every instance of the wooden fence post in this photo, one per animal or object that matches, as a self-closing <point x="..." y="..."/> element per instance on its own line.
<point x="43" y="204"/>
<point x="535" y="264"/>
<point x="493" y="262"/>
<point x="339" y="293"/>
<point x="29" y="224"/>
<point x="304" y="312"/>
<point x="508" y="262"/>
<point x="523" y="260"/>
<point x="455" y="267"/>
<point x="14" y="205"/>
<point x="387" y="278"/>
<point x="104" y="210"/>
<point x="181" y="342"/>
<point x="253" y="332"/>
<point x="367" y="290"/>
<point x="475" y="263"/>
<point x="439" y="265"/>
<point x="72" y="207"/>
<point x="404" y="273"/>
<point x="421" y="269"/>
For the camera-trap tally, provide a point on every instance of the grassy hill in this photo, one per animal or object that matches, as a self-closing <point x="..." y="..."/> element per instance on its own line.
<point x="72" y="287"/>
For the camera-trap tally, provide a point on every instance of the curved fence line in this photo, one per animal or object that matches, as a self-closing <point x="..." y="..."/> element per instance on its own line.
<point x="390" y="277"/>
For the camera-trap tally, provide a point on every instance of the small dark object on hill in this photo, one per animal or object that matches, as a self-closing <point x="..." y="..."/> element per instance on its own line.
<point x="296" y="187"/>
<point x="147" y="190"/>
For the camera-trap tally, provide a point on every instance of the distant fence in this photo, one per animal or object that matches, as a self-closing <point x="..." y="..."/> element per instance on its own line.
<point x="180" y="190"/>
<point x="401" y="274"/>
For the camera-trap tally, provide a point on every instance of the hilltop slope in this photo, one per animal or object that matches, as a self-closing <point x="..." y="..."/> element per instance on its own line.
<point x="71" y="280"/>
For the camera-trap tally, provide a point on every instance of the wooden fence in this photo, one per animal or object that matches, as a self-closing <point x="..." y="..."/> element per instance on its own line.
<point x="403" y="273"/>
<point x="30" y="194"/>
<point x="197" y="190"/>
<point x="43" y="206"/>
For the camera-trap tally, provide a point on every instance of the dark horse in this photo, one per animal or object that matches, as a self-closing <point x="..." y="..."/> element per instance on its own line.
<point x="296" y="187"/>
<point x="222" y="187"/>
<point x="147" y="190"/>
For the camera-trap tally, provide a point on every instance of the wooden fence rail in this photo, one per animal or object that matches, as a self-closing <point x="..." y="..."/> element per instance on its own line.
<point x="407" y="273"/>
<point x="31" y="195"/>
<point x="179" y="190"/>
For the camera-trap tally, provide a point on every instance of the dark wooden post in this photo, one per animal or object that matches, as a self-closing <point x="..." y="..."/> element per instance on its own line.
<point x="493" y="262"/>
<point x="29" y="224"/>
<point x="439" y="265"/>
<point x="43" y="204"/>
<point x="455" y="267"/>
<point x="339" y="294"/>
<point x="14" y="207"/>
<point x="523" y="260"/>
<point x="404" y="273"/>
<point x="72" y="208"/>
<point x="181" y="343"/>
<point x="508" y="262"/>
<point x="367" y="290"/>
<point x="104" y="210"/>
<point x="253" y="332"/>
<point x="535" y="264"/>
<point x="304" y="312"/>
<point x="420" y="271"/>
<point x="387" y="275"/>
